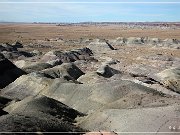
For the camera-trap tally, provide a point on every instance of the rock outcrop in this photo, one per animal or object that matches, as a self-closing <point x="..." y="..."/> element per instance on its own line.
<point x="12" y="52"/>
<point x="170" y="78"/>
<point x="36" y="67"/>
<point x="8" y="71"/>
<point x="70" y="56"/>
<point x="107" y="71"/>
<point x="66" y="71"/>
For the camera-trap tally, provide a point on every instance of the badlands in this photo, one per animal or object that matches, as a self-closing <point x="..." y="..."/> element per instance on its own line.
<point x="89" y="79"/>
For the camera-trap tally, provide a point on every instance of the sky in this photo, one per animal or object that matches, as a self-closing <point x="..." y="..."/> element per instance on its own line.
<point x="90" y="11"/>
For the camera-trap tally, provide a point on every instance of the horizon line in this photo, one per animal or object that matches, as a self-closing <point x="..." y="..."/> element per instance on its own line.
<point x="113" y="2"/>
<point x="95" y="22"/>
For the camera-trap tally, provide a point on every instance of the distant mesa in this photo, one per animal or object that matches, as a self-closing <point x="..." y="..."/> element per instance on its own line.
<point x="144" y="41"/>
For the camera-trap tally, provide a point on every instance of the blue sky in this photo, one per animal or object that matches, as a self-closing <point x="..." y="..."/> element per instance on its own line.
<point x="82" y="12"/>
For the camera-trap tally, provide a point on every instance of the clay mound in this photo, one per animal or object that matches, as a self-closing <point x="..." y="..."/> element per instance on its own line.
<point x="85" y="41"/>
<point x="23" y="63"/>
<point x="101" y="133"/>
<point x="152" y="41"/>
<point x="157" y="57"/>
<point x="99" y="47"/>
<point x="134" y="40"/>
<point x="132" y="120"/>
<point x="141" y="70"/>
<point x="26" y="85"/>
<point x="36" y="67"/>
<point x="91" y="77"/>
<point x="32" y="84"/>
<point x="45" y="105"/>
<point x="67" y="71"/>
<point x="17" y="44"/>
<point x="118" y="94"/>
<point x="171" y="41"/>
<point x="8" y="71"/>
<point x="16" y="55"/>
<point x="107" y="71"/>
<point x="39" y="114"/>
<point x="170" y="78"/>
<point x="118" y="41"/>
<point x="69" y="56"/>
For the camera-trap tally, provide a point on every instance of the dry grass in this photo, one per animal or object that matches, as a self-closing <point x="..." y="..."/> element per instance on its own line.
<point x="129" y="53"/>
<point x="31" y="32"/>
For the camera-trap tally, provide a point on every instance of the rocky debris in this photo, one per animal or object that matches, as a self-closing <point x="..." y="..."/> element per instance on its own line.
<point x="7" y="47"/>
<point x="69" y="56"/>
<point x="107" y="71"/>
<point x="36" y="67"/>
<point x="16" y="55"/>
<point x="170" y="78"/>
<point x="17" y="44"/>
<point x="12" y="52"/>
<point x="55" y="62"/>
<point x="39" y="114"/>
<point x="8" y="71"/>
<point x="66" y="71"/>
<point x="36" y="53"/>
